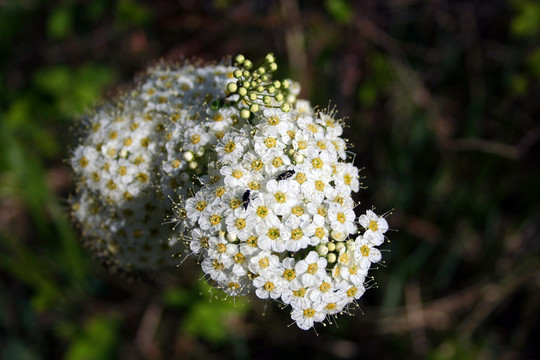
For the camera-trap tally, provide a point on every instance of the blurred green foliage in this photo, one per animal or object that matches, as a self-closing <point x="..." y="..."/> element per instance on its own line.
<point x="442" y="103"/>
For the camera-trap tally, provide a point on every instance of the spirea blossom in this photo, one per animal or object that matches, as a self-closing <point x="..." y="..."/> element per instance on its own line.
<point x="139" y="150"/>
<point x="282" y="225"/>
<point x="259" y="185"/>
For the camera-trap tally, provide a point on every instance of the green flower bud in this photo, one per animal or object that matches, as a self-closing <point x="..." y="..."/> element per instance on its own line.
<point x="286" y="107"/>
<point x="244" y="114"/>
<point x="240" y="58"/>
<point x="270" y="58"/>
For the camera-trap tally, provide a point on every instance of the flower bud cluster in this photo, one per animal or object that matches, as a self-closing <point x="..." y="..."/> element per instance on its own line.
<point x="276" y="215"/>
<point x="140" y="149"/>
<point x="255" y="90"/>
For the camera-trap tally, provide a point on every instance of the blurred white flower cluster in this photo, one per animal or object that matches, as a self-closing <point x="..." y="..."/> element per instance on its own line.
<point x="263" y="184"/>
<point x="140" y="149"/>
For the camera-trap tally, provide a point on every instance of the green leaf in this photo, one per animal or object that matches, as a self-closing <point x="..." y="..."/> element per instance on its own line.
<point x="527" y="21"/>
<point x="59" y="24"/>
<point x="340" y="10"/>
<point x="98" y="340"/>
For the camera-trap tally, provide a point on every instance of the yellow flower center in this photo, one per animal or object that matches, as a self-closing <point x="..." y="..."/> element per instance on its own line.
<point x="262" y="211"/>
<point x="195" y="139"/>
<point x="364" y="250"/>
<point x="215" y="219"/>
<point x="142" y="177"/>
<point x="220" y="191"/>
<point x="289" y="274"/>
<point x="252" y="241"/>
<point x="240" y="223"/>
<point x="317" y="163"/>
<point x="269" y="286"/>
<point x="221" y="248"/>
<point x="239" y="258"/>
<point x="273" y="233"/>
<point x="273" y="120"/>
<point x="330" y="306"/>
<point x="83" y="161"/>
<point x="233" y="285"/>
<point x="277" y="162"/>
<point x="297" y="234"/>
<point x="312" y="268"/>
<point x="253" y="185"/>
<point x="309" y="312"/>
<point x="256" y="164"/>
<point x="237" y="174"/>
<point x="201" y="205"/>
<point x="341" y="217"/>
<point x="324" y="287"/>
<point x="270" y="142"/>
<point x="301" y="178"/>
<point x="229" y="147"/>
<point x="264" y="262"/>
<point x="280" y="197"/>
<point x="373" y="226"/>
<point x="204" y="242"/>
<point x="235" y="203"/>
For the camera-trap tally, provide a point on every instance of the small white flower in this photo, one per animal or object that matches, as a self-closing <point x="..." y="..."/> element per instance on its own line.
<point x="365" y="252"/>
<point x="374" y="225"/>
<point x="312" y="269"/>
<point x="306" y="316"/>
<point x="341" y="218"/>
<point x="273" y="235"/>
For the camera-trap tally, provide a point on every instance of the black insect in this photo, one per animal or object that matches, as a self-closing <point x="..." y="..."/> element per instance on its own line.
<point x="246" y="199"/>
<point x="285" y="175"/>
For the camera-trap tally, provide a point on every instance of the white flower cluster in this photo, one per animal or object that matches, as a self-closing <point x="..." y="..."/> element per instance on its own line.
<point x="139" y="150"/>
<point x="271" y="212"/>
<point x="275" y="216"/>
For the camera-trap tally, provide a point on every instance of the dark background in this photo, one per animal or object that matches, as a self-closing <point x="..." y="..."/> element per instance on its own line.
<point x="442" y="99"/>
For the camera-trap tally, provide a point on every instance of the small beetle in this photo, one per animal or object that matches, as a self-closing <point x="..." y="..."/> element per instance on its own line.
<point x="285" y="175"/>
